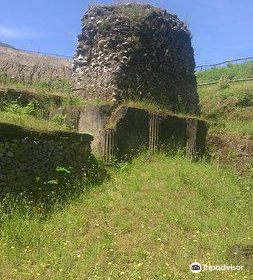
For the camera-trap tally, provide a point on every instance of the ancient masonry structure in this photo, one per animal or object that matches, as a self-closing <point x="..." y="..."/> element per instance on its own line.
<point x="125" y="131"/>
<point x="26" y="156"/>
<point x="136" y="52"/>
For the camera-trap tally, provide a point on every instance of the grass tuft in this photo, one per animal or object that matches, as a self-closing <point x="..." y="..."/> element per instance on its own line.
<point x="134" y="11"/>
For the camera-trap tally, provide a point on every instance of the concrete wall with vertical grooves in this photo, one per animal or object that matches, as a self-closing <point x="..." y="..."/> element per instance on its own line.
<point x="136" y="129"/>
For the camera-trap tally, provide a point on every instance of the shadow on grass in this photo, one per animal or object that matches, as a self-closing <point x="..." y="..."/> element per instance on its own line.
<point x="43" y="197"/>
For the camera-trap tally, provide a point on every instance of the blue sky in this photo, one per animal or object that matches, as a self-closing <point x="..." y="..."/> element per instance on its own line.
<point x="221" y="29"/>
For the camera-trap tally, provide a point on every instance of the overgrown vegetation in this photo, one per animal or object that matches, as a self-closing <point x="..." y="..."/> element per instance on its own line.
<point x="55" y="87"/>
<point x="150" y="221"/>
<point x="133" y="11"/>
<point x="230" y="107"/>
<point x="232" y="71"/>
<point x="66" y="184"/>
<point x="29" y="117"/>
<point x="30" y="104"/>
<point x="154" y="107"/>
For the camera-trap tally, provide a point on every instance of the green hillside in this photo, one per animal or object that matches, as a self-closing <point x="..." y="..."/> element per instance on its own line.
<point x="151" y="220"/>
<point x="229" y="107"/>
<point x="231" y="71"/>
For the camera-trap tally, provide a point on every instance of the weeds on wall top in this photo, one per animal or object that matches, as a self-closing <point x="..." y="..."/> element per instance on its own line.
<point x="133" y="11"/>
<point x="14" y="109"/>
<point x="29" y="116"/>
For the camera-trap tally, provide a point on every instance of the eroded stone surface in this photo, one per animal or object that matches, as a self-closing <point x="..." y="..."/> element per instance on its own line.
<point x="135" y="51"/>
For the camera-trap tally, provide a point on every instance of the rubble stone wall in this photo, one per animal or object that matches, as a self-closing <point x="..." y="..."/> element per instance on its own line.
<point x="26" y="156"/>
<point x="135" y="51"/>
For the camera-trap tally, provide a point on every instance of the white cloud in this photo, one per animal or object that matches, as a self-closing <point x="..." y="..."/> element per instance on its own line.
<point x="13" y="33"/>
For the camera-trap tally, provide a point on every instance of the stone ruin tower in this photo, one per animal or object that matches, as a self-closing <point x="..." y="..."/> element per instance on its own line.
<point x="135" y="51"/>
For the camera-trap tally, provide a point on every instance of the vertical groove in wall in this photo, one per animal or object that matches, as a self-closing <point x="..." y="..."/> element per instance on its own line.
<point x="157" y="132"/>
<point x="109" y="144"/>
<point x="153" y="133"/>
<point x="150" y="133"/>
<point x="105" y="147"/>
<point x="104" y="144"/>
<point x="191" y="137"/>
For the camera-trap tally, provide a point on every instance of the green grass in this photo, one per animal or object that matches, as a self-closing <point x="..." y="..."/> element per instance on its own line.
<point x="151" y="220"/>
<point x="32" y="122"/>
<point x="244" y="127"/>
<point x="232" y="71"/>
<point x="30" y="117"/>
<point x="41" y="97"/>
<point x="55" y="87"/>
<point x="134" y="12"/>
<point x="154" y="107"/>
<point x="151" y="107"/>
<point x="230" y="108"/>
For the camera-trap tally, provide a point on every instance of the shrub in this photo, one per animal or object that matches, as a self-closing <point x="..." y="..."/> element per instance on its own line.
<point x="224" y="83"/>
<point x="224" y="94"/>
<point x="245" y="99"/>
<point x="73" y="100"/>
<point x="59" y="119"/>
<point x="14" y="109"/>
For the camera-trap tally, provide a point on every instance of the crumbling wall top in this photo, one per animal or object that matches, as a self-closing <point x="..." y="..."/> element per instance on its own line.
<point x="135" y="51"/>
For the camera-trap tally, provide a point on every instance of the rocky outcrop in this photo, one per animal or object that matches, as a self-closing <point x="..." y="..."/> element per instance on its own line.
<point x="135" y="51"/>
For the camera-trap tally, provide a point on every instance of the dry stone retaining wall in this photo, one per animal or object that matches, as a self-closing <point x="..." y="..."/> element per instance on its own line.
<point x="26" y="156"/>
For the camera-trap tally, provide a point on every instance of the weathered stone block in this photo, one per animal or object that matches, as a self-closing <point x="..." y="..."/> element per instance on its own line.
<point x="92" y="120"/>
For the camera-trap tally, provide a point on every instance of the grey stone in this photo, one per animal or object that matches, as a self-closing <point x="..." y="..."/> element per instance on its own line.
<point x="141" y="57"/>
<point x="38" y="156"/>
